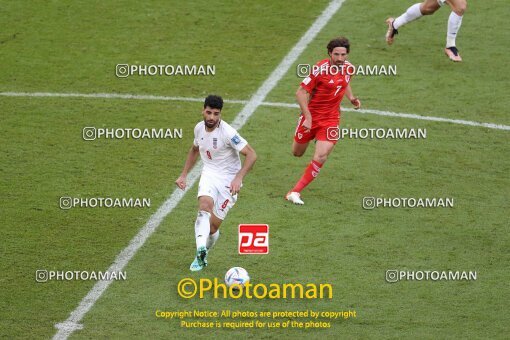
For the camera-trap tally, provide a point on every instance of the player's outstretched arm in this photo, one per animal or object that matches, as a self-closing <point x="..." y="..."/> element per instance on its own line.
<point x="354" y="101"/>
<point x="303" y="98"/>
<point x="251" y="157"/>
<point x="190" y="161"/>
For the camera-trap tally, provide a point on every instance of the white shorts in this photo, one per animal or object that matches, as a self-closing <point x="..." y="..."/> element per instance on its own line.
<point x="219" y="190"/>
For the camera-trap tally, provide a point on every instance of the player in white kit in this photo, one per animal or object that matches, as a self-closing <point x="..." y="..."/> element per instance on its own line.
<point x="219" y="146"/>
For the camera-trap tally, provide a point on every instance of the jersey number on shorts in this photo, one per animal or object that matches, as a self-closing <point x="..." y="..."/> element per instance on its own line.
<point x="224" y="205"/>
<point x="208" y="154"/>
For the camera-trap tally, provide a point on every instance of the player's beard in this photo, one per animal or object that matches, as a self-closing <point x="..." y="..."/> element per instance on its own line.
<point x="336" y="63"/>
<point x="211" y="124"/>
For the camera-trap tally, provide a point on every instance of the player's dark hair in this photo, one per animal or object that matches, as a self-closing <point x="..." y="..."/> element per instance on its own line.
<point x="214" y="102"/>
<point x="339" y="42"/>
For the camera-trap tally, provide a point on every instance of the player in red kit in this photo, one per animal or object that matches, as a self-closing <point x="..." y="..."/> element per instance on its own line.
<point x="319" y="97"/>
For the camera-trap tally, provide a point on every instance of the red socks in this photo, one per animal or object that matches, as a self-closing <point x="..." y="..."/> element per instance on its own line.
<point x="311" y="171"/>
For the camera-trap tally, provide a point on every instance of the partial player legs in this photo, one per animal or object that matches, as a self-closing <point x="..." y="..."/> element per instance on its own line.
<point x="202" y="231"/>
<point x="214" y="234"/>
<point x="299" y="149"/>
<point x="414" y="12"/>
<point x="207" y="231"/>
<point x="458" y="6"/>
<point x="203" y="222"/>
<point x="429" y="7"/>
<point x="454" y="22"/>
<point x="322" y="151"/>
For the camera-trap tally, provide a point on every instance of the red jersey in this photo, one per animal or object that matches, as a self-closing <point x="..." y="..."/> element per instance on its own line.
<point x="326" y="86"/>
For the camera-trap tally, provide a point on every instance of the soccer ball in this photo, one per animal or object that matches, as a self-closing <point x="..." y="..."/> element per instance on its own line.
<point x="237" y="276"/>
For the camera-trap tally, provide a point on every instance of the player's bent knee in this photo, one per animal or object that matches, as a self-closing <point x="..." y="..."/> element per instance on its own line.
<point x="297" y="153"/>
<point x="460" y="7"/>
<point x="428" y="8"/>
<point x="427" y="11"/>
<point x="205" y="206"/>
<point x="298" y="150"/>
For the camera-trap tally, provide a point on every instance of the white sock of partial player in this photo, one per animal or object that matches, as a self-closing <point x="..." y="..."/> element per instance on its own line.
<point x="211" y="240"/>
<point x="454" y="22"/>
<point x="411" y="14"/>
<point x="202" y="228"/>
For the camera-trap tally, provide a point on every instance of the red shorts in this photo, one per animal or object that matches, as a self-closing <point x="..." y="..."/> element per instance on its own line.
<point x="325" y="130"/>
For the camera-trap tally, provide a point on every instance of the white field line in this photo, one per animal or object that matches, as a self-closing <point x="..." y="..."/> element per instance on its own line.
<point x="110" y="96"/>
<point x="66" y="328"/>
<point x="406" y="115"/>
<point x="235" y="101"/>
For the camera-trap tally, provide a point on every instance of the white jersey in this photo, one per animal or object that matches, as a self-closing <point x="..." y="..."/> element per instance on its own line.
<point x="219" y="149"/>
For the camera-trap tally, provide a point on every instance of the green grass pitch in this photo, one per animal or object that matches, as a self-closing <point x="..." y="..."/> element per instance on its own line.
<point x="73" y="47"/>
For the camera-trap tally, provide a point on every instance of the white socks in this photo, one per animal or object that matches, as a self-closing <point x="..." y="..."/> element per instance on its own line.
<point x="411" y="14"/>
<point x="202" y="231"/>
<point x="454" y="22"/>
<point x="202" y="228"/>
<point x="211" y="240"/>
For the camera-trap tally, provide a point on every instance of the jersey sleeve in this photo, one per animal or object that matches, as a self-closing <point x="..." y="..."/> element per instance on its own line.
<point x="195" y="135"/>
<point x="234" y="139"/>
<point x="309" y="82"/>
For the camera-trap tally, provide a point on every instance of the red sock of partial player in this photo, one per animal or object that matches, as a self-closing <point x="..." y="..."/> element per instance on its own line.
<point x="311" y="171"/>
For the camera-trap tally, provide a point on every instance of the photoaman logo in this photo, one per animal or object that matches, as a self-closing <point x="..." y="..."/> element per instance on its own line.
<point x="188" y="288"/>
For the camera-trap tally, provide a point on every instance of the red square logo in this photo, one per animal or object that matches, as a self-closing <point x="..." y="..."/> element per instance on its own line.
<point x="253" y="239"/>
